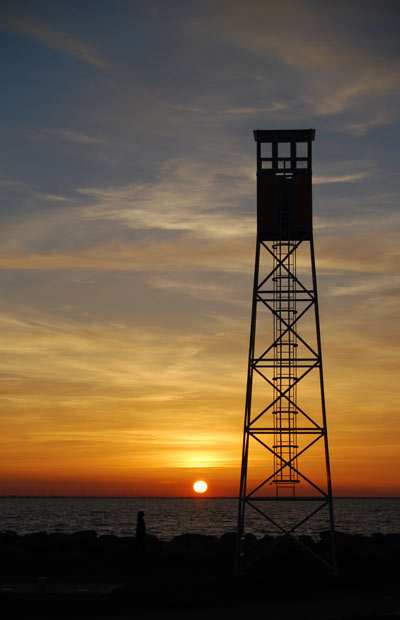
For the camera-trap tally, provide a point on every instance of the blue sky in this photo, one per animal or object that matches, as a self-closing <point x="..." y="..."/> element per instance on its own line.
<point x="128" y="226"/>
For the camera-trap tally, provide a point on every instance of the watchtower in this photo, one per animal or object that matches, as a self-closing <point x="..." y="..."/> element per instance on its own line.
<point x="285" y="444"/>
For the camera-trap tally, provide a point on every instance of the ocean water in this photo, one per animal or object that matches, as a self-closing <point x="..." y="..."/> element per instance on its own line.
<point x="169" y="517"/>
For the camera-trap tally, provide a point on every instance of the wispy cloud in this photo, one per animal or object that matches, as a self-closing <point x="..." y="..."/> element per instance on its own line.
<point x="71" y="393"/>
<point x="61" y="41"/>
<point x="175" y="255"/>
<point x="347" y="92"/>
<point x="333" y="74"/>
<point x="345" y="178"/>
<point x="209" y="290"/>
<point x="379" y="118"/>
<point x="188" y="197"/>
<point x="81" y="144"/>
<point x="355" y="248"/>
<point x="68" y="136"/>
<point x="342" y="247"/>
<point x="101" y="366"/>
<point x="251" y="111"/>
<point x="382" y="287"/>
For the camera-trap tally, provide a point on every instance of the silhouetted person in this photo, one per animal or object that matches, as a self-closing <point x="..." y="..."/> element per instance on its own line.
<point x="140" y="531"/>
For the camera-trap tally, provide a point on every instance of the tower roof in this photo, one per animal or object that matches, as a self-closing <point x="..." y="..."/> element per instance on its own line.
<point x="284" y="135"/>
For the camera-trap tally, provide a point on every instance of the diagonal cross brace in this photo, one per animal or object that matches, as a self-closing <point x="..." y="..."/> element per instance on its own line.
<point x="287" y="464"/>
<point x="284" y="395"/>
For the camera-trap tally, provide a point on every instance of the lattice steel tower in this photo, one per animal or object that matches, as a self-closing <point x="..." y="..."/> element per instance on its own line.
<point x="285" y="445"/>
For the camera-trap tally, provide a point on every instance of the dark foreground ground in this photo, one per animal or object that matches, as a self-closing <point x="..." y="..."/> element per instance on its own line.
<point x="83" y="575"/>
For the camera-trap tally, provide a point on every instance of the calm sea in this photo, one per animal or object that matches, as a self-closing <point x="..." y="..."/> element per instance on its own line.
<point x="168" y="517"/>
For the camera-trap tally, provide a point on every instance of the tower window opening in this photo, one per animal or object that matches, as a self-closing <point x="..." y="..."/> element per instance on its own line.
<point x="301" y="149"/>
<point x="266" y="149"/>
<point x="267" y="164"/>
<point x="284" y="149"/>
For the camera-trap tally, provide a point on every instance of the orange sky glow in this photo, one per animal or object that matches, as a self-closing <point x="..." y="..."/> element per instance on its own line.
<point x="128" y="195"/>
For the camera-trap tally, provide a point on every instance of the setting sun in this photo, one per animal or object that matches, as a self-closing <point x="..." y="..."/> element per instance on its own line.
<point x="200" y="486"/>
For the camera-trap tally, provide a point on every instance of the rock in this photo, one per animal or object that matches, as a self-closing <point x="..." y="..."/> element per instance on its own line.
<point x="325" y="535"/>
<point x="392" y="539"/>
<point x="38" y="540"/>
<point x="85" y="538"/>
<point x="228" y="541"/>
<point x="9" y="538"/>
<point x="196" y="543"/>
<point x="109" y="540"/>
<point x="307" y="541"/>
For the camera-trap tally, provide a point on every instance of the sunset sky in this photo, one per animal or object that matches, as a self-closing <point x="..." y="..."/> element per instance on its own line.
<point x="128" y="234"/>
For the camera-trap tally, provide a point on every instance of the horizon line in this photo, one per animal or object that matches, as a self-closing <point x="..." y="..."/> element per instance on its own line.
<point x="305" y="498"/>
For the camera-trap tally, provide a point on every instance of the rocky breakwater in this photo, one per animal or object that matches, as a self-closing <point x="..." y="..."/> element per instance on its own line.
<point x="197" y="570"/>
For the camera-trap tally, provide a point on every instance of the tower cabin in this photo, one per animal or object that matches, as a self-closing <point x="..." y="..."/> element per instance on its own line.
<point x="284" y="203"/>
